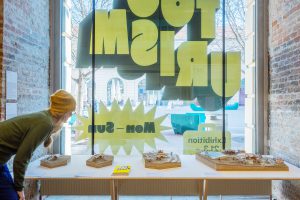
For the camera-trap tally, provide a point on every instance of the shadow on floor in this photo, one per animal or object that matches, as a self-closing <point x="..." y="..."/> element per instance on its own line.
<point x="155" y="198"/>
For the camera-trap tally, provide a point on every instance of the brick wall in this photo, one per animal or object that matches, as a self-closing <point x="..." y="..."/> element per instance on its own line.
<point x="284" y="99"/>
<point x="1" y="55"/>
<point x="26" y="51"/>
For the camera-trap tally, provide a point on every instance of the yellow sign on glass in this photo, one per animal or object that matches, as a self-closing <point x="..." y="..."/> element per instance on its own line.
<point x="139" y="37"/>
<point x="126" y="128"/>
<point x="206" y="138"/>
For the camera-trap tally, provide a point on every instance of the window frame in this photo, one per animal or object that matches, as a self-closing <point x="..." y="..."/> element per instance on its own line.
<point x="261" y="138"/>
<point x="262" y="78"/>
<point x="56" y="66"/>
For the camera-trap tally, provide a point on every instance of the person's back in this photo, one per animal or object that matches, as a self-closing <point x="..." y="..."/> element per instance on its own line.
<point x="14" y="131"/>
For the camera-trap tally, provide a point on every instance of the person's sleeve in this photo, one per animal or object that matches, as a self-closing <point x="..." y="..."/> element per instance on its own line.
<point x="32" y="140"/>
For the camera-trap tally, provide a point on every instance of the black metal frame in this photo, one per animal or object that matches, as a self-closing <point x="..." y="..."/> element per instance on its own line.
<point x="93" y="78"/>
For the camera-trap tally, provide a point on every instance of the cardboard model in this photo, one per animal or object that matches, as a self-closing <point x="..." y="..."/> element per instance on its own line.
<point x="100" y="160"/>
<point x="161" y="160"/>
<point x="53" y="161"/>
<point x="231" y="160"/>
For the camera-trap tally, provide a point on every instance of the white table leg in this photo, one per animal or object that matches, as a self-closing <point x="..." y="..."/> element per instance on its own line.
<point x="205" y="185"/>
<point x="114" y="190"/>
<point x="200" y="189"/>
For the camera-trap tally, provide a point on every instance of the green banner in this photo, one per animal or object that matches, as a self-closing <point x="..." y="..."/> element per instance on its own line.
<point x="207" y="138"/>
<point x="126" y="128"/>
<point x="138" y="38"/>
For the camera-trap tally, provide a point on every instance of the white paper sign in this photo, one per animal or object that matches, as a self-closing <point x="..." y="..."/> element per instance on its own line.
<point x="11" y="85"/>
<point x="11" y="110"/>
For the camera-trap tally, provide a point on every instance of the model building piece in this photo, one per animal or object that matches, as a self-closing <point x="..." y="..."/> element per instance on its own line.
<point x="121" y="170"/>
<point x="100" y="160"/>
<point x="161" y="160"/>
<point x="231" y="160"/>
<point x="53" y="161"/>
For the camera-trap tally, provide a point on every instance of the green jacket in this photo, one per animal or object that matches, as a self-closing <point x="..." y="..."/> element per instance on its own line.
<point x="20" y="136"/>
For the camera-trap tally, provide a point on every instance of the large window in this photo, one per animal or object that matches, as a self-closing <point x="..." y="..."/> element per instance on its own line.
<point x="136" y="77"/>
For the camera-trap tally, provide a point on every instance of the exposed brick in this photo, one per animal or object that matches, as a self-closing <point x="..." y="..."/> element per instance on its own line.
<point x="26" y="51"/>
<point x="284" y="98"/>
<point x="24" y="48"/>
<point x="1" y="63"/>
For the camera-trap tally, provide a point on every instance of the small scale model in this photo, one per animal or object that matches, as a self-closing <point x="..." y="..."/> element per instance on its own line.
<point x="100" y="160"/>
<point x="231" y="160"/>
<point x="161" y="160"/>
<point x="121" y="170"/>
<point x="55" y="160"/>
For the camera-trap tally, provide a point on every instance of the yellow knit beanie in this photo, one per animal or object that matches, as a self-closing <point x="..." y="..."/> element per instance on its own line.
<point x="62" y="102"/>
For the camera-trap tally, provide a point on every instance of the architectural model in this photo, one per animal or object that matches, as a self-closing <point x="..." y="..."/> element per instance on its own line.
<point x="231" y="160"/>
<point x="56" y="160"/>
<point x="161" y="160"/>
<point x="100" y="160"/>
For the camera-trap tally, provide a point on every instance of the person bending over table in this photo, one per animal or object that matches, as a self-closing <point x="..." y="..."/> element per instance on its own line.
<point x="21" y="135"/>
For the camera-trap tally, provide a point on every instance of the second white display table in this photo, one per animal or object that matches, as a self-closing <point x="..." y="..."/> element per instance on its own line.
<point x="193" y="178"/>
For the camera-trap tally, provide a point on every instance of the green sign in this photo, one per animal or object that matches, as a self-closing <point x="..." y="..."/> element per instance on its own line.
<point x="207" y="138"/>
<point x="138" y="38"/>
<point x="126" y="128"/>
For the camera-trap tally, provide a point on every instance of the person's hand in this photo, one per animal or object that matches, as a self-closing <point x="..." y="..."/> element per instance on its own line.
<point x="21" y="195"/>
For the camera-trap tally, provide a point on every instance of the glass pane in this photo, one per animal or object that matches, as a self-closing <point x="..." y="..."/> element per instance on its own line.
<point x="77" y="79"/>
<point x="240" y="37"/>
<point x="168" y="63"/>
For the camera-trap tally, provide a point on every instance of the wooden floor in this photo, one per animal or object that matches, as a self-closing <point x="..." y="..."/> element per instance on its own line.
<point x="153" y="198"/>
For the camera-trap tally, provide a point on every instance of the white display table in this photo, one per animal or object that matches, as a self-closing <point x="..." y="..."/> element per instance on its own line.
<point x="193" y="178"/>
